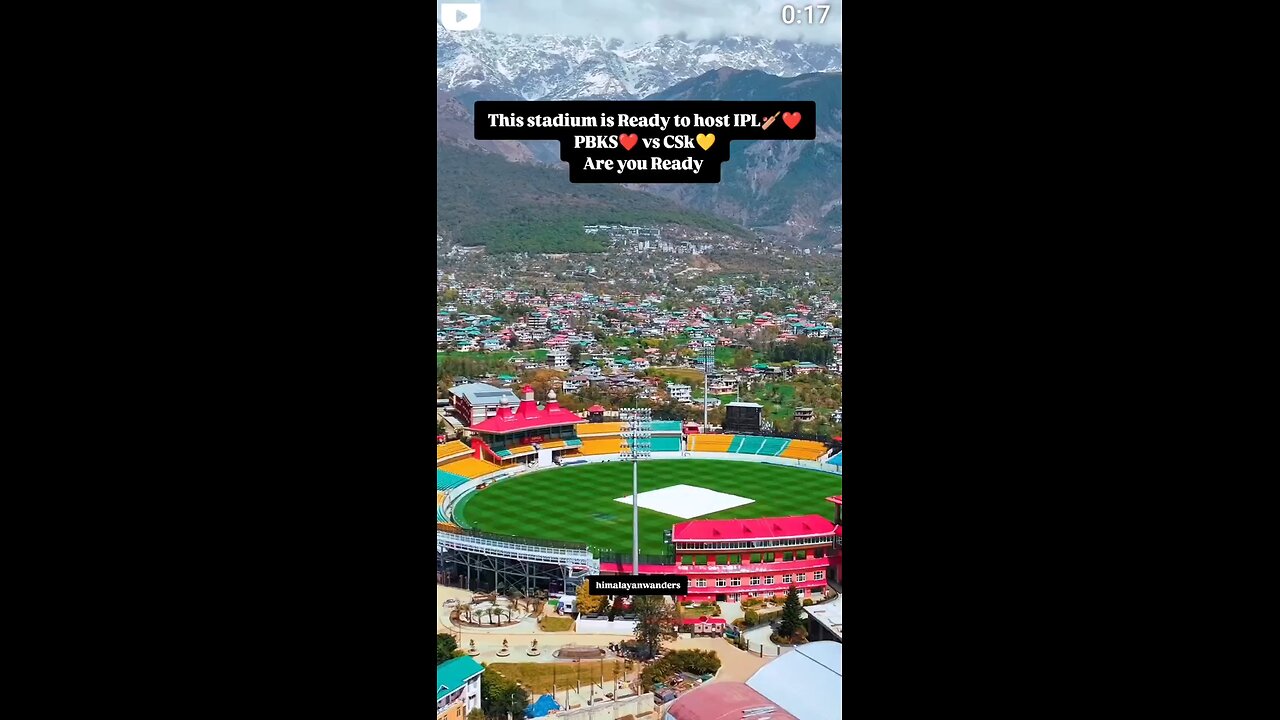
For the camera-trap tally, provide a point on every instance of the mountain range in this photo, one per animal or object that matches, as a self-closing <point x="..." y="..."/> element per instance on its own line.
<point x="486" y="66"/>
<point x="788" y="188"/>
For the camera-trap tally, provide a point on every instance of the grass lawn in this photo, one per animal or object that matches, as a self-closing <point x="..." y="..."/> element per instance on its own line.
<point x="686" y="376"/>
<point x="556" y="624"/>
<point x="577" y="503"/>
<point x="539" y="677"/>
<point x="785" y="410"/>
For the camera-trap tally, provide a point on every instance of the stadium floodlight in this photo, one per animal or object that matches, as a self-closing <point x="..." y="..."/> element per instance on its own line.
<point x="637" y="434"/>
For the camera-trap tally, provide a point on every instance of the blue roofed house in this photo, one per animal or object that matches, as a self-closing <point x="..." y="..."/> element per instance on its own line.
<point x="457" y="688"/>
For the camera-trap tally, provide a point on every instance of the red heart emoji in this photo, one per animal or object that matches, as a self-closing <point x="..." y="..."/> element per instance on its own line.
<point x="791" y="119"/>
<point x="628" y="141"/>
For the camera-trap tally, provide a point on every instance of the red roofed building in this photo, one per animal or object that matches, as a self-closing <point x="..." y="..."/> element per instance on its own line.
<point x="735" y="559"/>
<point x="726" y="701"/>
<point x="517" y="433"/>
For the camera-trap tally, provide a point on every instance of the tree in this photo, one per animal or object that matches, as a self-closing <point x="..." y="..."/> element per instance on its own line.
<point x="575" y="352"/>
<point x="445" y="645"/>
<point x="654" y="618"/>
<point x="476" y="714"/>
<point x="499" y="696"/>
<point x="588" y="603"/>
<point x="791" y="617"/>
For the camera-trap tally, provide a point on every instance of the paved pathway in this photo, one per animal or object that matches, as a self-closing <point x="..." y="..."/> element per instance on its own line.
<point x="736" y="664"/>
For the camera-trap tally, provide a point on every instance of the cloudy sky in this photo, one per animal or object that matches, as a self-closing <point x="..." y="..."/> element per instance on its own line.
<point x="645" y="20"/>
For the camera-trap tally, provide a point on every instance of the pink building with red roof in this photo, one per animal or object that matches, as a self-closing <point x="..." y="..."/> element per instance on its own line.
<point x="737" y="559"/>
<point x="517" y="432"/>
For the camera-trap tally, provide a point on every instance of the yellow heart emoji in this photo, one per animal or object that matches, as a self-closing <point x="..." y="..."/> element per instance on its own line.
<point x="706" y="141"/>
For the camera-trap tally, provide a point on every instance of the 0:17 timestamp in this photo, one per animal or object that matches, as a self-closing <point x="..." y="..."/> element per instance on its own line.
<point x="806" y="15"/>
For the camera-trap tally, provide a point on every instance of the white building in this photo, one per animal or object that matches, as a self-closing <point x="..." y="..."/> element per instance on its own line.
<point x="680" y="393"/>
<point x="558" y="358"/>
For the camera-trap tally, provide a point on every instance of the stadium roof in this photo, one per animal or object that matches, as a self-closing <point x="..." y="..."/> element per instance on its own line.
<point x="830" y="615"/>
<point x="454" y="674"/>
<point x="784" y="527"/>
<point x="805" y="682"/>
<point x="837" y="499"/>
<point x="724" y="701"/>
<point x="482" y="394"/>
<point x="528" y="416"/>
<point x="745" y="404"/>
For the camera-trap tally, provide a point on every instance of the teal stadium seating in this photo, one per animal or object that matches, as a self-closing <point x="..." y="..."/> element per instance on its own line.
<point x="773" y="446"/>
<point x="754" y="445"/>
<point x="664" y="444"/>
<point x="447" y="480"/>
<point x="666" y="426"/>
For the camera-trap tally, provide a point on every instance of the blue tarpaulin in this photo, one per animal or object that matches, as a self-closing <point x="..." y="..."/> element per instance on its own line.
<point x="545" y="705"/>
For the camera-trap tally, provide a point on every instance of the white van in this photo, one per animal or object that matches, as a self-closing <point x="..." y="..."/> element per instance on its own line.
<point x="566" y="603"/>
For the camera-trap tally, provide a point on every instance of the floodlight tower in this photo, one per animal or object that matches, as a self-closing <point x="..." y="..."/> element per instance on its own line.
<point x="637" y="433"/>
<point x="708" y="362"/>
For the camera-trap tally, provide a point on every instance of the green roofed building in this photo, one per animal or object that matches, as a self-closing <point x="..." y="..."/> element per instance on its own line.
<point x="457" y="688"/>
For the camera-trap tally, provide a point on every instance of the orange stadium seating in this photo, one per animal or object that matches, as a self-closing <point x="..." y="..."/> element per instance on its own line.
<point x="470" y="468"/>
<point x="553" y="445"/>
<point x="449" y="449"/>
<point x="601" y="446"/>
<point x="588" y="429"/>
<point x="804" y="450"/>
<point x="710" y="443"/>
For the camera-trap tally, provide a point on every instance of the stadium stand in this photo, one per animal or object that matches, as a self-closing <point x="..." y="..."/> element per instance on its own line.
<point x="446" y="481"/>
<point x="665" y="426"/>
<point x="518" y="451"/>
<point x="601" y="446"/>
<point x="773" y="446"/>
<point x="573" y="443"/>
<point x="756" y="445"/>
<point x="838" y="460"/>
<point x="711" y="443"/>
<point x="804" y="450"/>
<point x="664" y="444"/>
<point x="470" y="468"/>
<point x="440" y="517"/>
<point x="553" y="445"/>
<point x="590" y="429"/>
<point x="451" y="449"/>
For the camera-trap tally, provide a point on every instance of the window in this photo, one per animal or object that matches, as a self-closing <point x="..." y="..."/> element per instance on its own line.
<point x="818" y="575"/>
<point x="700" y="560"/>
<point x="801" y="577"/>
<point x="735" y="559"/>
<point x="755" y="557"/>
<point x="735" y="582"/>
<point x="788" y="556"/>
<point x="755" y="581"/>
<point x="699" y="583"/>
<point x="768" y="580"/>
<point x="722" y="559"/>
<point x="819" y="553"/>
<point x="720" y="583"/>
<point x="800" y="554"/>
<point x="786" y="579"/>
<point x="768" y="557"/>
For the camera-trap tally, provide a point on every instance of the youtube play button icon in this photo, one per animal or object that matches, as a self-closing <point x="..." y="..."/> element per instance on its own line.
<point x="460" y="17"/>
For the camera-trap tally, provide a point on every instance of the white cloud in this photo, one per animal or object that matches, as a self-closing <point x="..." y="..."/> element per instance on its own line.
<point x="641" y="21"/>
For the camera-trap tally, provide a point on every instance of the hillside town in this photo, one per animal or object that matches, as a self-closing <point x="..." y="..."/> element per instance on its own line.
<point x="684" y="355"/>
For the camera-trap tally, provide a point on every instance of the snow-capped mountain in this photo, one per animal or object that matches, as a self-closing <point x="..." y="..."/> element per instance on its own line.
<point x="484" y="65"/>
